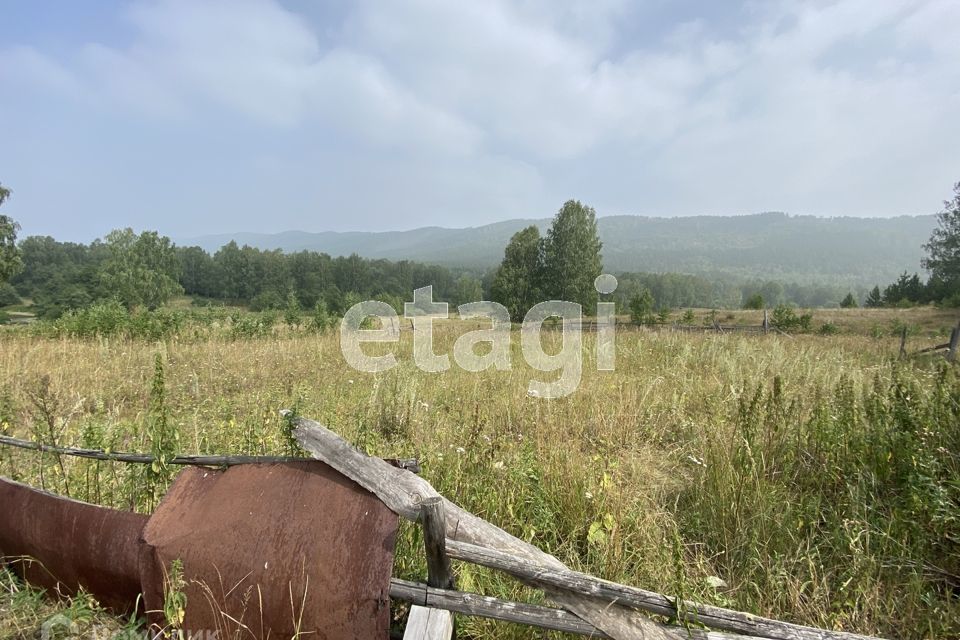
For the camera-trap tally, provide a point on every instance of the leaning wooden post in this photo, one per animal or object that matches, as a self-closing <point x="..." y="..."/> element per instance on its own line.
<point x="429" y="623"/>
<point x="903" y="343"/>
<point x="434" y="524"/>
<point x="766" y="323"/>
<point x="954" y="339"/>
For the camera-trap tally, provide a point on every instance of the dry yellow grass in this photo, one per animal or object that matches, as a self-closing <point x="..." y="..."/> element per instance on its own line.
<point x="619" y="457"/>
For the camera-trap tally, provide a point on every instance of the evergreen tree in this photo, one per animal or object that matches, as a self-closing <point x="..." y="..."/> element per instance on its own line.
<point x="641" y="307"/>
<point x="571" y="256"/>
<point x="850" y="302"/>
<point x="874" y="299"/>
<point x="516" y="284"/>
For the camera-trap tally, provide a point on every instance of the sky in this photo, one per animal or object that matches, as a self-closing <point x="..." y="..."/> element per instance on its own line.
<point x="194" y="117"/>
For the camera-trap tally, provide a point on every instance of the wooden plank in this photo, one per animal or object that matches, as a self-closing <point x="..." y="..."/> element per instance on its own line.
<point x="404" y="492"/>
<point x="596" y="601"/>
<point x="605" y="590"/>
<point x="428" y="624"/>
<point x="472" y="604"/>
<point x="435" y="543"/>
<point x="533" y="615"/>
<point x="411" y="464"/>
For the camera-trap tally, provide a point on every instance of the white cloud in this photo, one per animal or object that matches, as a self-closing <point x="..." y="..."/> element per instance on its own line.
<point x="845" y="106"/>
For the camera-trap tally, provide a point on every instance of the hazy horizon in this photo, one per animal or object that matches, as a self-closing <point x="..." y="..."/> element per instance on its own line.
<point x="208" y="117"/>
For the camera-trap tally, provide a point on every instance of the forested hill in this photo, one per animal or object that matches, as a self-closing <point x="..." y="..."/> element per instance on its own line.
<point x="854" y="251"/>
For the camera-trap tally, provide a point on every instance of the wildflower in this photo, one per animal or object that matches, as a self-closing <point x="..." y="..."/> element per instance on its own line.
<point x="461" y="450"/>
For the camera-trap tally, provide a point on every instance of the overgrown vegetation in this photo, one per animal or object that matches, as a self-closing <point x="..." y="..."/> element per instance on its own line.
<point x="805" y="478"/>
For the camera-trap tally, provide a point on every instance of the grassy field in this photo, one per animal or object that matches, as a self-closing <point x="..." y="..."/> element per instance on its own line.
<point x="807" y="477"/>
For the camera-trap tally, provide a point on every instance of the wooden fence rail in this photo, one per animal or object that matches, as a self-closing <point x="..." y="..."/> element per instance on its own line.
<point x="613" y="609"/>
<point x="584" y="604"/>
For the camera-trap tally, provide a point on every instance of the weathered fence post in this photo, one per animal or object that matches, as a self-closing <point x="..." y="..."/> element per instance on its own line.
<point x="954" y="339"/>
<point x="430" y="623"/>
<point x="903" y="343"/>
<point x="766" y="322"/>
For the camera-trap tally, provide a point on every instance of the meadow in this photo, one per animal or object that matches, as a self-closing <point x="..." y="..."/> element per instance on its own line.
<point x="810" y="477"/>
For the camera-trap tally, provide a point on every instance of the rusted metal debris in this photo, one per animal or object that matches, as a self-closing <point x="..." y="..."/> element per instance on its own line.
<point x="61" y="544"/>
<point x="283" y="548"/>
<point x="268" y="550"/>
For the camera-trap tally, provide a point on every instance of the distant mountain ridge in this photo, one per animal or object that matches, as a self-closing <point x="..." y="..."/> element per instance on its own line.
<point x="855" y="251"/>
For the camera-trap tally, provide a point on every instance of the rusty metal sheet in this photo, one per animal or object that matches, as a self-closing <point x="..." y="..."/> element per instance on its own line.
<point x="273" y="550"/>
<point x="72" y="544"/>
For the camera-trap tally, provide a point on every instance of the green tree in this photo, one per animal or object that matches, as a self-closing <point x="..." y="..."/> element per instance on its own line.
<point x="516" y="284"/>
<point x="874" y="298"/>
<point x="141" y="270"/>
<point x="641" y="306"/>
<point x="571" y="255"/>
<point x="754" y="302"/>
<point x="9" y="254"/>
<point x="466" y="290"/>
<point x="849" y="302"/>
<point x="943" y="249"/>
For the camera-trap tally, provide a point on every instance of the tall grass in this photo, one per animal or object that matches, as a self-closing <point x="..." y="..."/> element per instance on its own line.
<point x="807" y="478"/>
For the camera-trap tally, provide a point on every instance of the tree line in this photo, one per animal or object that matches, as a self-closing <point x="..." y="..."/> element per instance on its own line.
<point x="146" y="270"/>
<point x="942" y="262"/>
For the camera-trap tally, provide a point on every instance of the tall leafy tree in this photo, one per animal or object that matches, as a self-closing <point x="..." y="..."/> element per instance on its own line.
<point x="943" y="250"/>
<point x="9" y="255"/>
<point x="516" y="284"/>
<point x="142" y="270"/>
<point x="571" y="256"/>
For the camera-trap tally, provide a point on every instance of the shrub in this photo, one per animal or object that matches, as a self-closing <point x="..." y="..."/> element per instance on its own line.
<point x="8" y="296"/>
<point x="321" y="320"/>
<point x="266" y="301"/>
<point x="828" y="329"/>
<point x="786" y="319"/>
<point x="754" y="302"/>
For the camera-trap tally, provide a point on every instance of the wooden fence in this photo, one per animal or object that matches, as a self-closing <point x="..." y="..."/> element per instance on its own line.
<point x="579" y="603"/>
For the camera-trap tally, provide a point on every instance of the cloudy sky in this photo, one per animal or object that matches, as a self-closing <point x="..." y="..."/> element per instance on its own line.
<point x="195" y="116"/>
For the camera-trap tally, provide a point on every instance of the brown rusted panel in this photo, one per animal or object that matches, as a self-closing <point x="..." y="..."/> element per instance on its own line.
<point x="278" y="548"/>
<point x="71" y="544"/>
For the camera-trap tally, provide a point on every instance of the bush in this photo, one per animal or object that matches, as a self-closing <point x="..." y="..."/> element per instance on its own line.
<point x="951" y="302"/>
<point x="786" y="319"/>
<point x="754" y="302"/>
<point x="99" y="320"/>
<point x="828" y="329"/>
<point x="321" y="320"/>
<point x="4" y="317"/>
<point x="8" y="296"/>
<point x="267" y="301"/>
